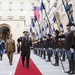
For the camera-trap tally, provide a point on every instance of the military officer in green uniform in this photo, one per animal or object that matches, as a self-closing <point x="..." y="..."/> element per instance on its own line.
<point x="10" y="48"/>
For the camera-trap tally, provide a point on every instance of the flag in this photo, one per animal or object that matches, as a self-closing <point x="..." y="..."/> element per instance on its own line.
<point x="30" y="29"/>
<point x="35" y="7"/>
<point x="67" y="7"/>
<point x="46" y="33"/>
<point x="53" y="29"/>
<point x="42" y="6"/>
<point x="42" y="29"/>
<point x="71" y="19"/>
<point x="49" y="32"/>
<point x="36" y="34"/>
<point x="61" y="25"/>
<point x="54" y="19"/>
<point x="35" y="19"/>
<point x="33" y="25"/>
<point x="28" y="35"/>
<point x="46" y="25"/>
<point x="36" y="13"/>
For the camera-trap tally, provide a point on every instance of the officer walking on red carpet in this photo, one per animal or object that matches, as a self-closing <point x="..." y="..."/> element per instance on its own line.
<point x="25" y="48"/>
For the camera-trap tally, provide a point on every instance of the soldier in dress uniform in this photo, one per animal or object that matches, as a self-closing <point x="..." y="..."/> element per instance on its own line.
<point x="49" y="51"/>
<point x="55" y="45"/>
<point x="67" y="46"/>
<point x="25" y="48"/>
<point x="10" y="48"/>
<point x="72" y="50"/>
<point x="44" y="46"/>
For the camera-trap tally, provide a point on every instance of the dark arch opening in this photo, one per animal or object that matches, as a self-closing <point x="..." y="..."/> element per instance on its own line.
<point x="4" y="32"/>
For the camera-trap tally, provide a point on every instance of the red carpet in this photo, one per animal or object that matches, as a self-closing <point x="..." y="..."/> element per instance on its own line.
<point x="22" y="70"/>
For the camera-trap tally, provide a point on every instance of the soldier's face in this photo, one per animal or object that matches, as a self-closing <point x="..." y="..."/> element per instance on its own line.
<point x="10" y="36"/>
<point x="68" y="27"/>
<point x="25" y="35"/>
<point x="55" y="33"/>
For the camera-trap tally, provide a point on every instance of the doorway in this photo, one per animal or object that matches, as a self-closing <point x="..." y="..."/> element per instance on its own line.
<point x="4" y="32"/>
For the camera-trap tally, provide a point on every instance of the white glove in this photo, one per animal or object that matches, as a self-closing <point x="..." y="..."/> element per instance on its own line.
<point x="57" y="49"/>
<point x="44" y="49"/>
<point x="63" y="49"/>
<point x="49" y="48"/>
<point x="72" y="50"/>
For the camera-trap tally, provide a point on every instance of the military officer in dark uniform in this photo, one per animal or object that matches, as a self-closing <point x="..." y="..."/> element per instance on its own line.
<point x="25" y="48"/>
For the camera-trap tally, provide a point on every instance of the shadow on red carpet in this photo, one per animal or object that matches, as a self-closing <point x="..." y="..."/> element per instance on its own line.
<point x="22" y="70"/>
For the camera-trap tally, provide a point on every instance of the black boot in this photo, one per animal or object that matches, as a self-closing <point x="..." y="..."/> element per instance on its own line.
<point x="63" y="57"/>
<point x="49" y="58"/>
<point x="23" y="62"/>
<point x="1" y="56"/>
<point x="27" y="64"/>
<point x="70" y="67"/>
<point x="74" y="66"/>
<point x="56" y="60"/>
<point x="10" y="63"/>
<point x="41" y="54"/>
<point x="44" y="55"/>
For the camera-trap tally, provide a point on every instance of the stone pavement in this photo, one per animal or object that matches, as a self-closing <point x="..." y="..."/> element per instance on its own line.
<point x="46" y="68"/>
<point x="6" y="68"/>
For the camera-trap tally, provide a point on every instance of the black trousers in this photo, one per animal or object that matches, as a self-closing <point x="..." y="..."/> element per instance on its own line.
<point x="18" y="49"/>
<point x="25" y="55"/>
<point x="71" y="63"/>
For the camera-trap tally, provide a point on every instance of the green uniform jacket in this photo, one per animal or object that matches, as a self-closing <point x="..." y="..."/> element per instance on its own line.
<point x="10" y="45"/>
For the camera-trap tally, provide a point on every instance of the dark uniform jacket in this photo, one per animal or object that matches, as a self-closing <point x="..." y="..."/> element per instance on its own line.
<point x="73" y="40"/>
<point x="68" y="40"/>
<point x="26" y="44"/>
<point x="49" y="43"/>
<point x="54" y="42"/>
<point x="10" y="45"/>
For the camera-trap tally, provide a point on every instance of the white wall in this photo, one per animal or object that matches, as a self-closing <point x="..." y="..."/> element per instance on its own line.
<point x="17" y="25"/>
<point x="16" y="28"/>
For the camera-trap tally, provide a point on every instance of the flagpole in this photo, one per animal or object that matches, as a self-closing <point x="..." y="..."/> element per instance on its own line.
<point x="65" y="10"/>
<point x="39" y="26"/>
<point x="47" y="19"/>
<point x="43" y="19"/>
<point x="36" y="29"/>
<point x="37" y="22"/>
<point x="36" y="32"/>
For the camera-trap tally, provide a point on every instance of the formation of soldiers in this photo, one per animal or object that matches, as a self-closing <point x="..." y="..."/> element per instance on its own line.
<point x="59" y="45"/>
